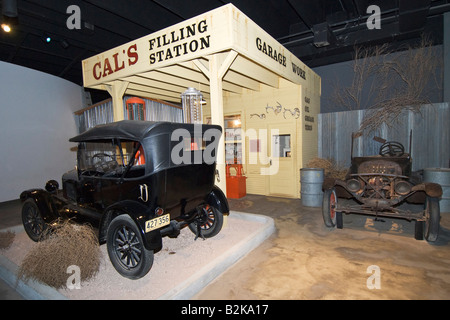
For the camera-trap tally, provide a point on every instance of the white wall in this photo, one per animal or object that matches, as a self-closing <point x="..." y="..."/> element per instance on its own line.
<point x="36" y="121"/>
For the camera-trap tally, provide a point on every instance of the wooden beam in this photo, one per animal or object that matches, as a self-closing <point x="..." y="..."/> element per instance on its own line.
<point x="144" y="94"/>
<point x="172" y="79"/>
<point x="144" y="88"/>
<point x="201" y="65"/>
<point x="252" y="70"/>
<point x="117" y="89"/>
<point x="231" y="77"/>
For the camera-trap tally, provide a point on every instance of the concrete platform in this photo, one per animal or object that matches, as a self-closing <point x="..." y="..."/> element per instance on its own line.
<point x="180" y="270"/>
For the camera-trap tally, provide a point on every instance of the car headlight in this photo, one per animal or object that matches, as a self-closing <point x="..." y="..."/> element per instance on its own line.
<point x="353" y="185"/>
<point x="402" y="187"/>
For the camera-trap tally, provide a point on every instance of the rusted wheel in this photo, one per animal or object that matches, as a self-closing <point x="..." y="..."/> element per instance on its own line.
<point x="432" y="217"/>
<point x="329" y="205"/>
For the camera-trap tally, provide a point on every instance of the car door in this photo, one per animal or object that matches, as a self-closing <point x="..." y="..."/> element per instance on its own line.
<point x="90" y="190"/>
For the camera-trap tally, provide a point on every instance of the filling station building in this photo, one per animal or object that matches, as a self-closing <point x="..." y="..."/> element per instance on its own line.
<point x="263" y="96"/>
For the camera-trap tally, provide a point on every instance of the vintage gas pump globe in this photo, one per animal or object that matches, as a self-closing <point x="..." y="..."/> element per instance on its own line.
<point x="191" y="100"/>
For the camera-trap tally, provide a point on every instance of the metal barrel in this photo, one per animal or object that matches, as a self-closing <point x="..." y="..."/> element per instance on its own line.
<point x="442" y="177"/>
<point x="311" y="180"/>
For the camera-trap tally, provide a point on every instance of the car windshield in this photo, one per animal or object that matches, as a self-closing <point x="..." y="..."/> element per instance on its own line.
<point x="109" y="158"/>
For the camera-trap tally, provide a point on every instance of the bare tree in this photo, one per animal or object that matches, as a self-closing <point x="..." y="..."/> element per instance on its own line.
<point x="386" y="84"/>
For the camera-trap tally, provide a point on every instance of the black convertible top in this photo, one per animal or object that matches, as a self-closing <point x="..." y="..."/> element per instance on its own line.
<point x="155" y="135"/>
<point x="130" y="129"/>
<point x="125" y="129"/>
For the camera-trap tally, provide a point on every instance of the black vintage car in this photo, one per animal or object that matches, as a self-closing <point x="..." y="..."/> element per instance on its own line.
<point x="138" y="181"/>
<point x="380" y="185"/>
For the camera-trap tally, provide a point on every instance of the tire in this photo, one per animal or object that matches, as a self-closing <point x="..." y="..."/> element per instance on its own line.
<point x="126" y="248"/>
<point x="432" y="219"/>
<point x="211" y="222"/>
<point x="328" y="208"/>
<point x="32" y="220"/>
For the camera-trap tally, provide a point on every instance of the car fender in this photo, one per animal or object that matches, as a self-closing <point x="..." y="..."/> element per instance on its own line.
<point x="139" y="213"/>
<point x="433" y="190"/>
<point x="340" y="187"/>
<point x="217" y="199"/>
<point x="422" y="190"/>
<point x="44" y="202"/>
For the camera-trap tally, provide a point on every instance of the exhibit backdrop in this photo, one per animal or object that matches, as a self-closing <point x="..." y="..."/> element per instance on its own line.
<point x="36" y="119"/>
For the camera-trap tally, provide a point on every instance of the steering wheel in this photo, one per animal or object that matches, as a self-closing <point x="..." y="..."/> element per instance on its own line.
<point x="103" y="165"/>
<point x="392" y="149"/>
<point x="102" y="155"/>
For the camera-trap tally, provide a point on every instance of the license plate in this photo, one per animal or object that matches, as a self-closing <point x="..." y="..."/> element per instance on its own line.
<point x="157" y="223"/>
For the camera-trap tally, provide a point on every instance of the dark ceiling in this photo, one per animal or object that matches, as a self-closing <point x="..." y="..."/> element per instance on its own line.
<point x="319" y="32"/>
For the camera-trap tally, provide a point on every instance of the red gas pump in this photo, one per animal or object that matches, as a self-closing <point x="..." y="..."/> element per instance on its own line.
<point x="236" y="185"/>
<point x="135" y="108"/>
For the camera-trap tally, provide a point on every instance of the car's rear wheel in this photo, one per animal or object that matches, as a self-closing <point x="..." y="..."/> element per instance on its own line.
<point x="209" y="221"/>
<point x="331" y="218"/>
<point x="126" y="248"/>
<point x="32" y="220"/>
<point x="432" y="219"/>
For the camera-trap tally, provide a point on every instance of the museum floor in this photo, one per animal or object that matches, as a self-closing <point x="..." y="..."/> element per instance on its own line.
<point x="303" y="259"/>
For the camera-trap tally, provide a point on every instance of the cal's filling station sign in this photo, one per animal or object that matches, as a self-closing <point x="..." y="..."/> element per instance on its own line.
<point x="177" y="43"/>
<point x="215" y="31"/>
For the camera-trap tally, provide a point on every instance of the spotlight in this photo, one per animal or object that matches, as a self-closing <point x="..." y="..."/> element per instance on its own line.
<point x="8" y="23"/>
<point x="47" y="38"/>
<point x="6" y="27"/>
<point x="9" y="15"/>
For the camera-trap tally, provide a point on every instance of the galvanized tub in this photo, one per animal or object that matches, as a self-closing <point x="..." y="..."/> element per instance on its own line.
<point x="442" y="177"/>
<point x="311" y="180"/>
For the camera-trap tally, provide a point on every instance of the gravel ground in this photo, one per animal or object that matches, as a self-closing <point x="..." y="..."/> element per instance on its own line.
<point x="182" y="261"/>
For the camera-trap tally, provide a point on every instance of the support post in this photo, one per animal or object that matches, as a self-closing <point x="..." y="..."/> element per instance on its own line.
<point x="216" y="72"/>
<point x="117" y="90"/>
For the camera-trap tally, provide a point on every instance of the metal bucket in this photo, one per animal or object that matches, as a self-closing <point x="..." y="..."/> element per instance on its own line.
<point x="311" y="180"/>
<point x="442" y="177"/>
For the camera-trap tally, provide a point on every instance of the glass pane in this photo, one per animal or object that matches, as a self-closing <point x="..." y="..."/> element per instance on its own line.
<point x="281" y="146"/>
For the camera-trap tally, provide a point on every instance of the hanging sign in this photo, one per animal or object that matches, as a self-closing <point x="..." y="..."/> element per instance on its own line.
<point x="225" y="28"/>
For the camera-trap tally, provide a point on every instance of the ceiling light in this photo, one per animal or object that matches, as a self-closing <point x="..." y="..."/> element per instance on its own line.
<point x="9" y="15"/>
<point x="323" y="35"/>
<point x="47" y="39"/>
<point x="8" y="23"/>
<point x="6" y="27"/>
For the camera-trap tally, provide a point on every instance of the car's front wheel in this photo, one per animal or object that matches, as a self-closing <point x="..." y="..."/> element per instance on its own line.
<point x="32" y="220"/>
<point x="432" y="219"/>
<point x="331" y="218"/>
<point x="126" y="248"/>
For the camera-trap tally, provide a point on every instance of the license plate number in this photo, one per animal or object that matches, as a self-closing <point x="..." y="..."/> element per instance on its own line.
<point x="157" y="223"/>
